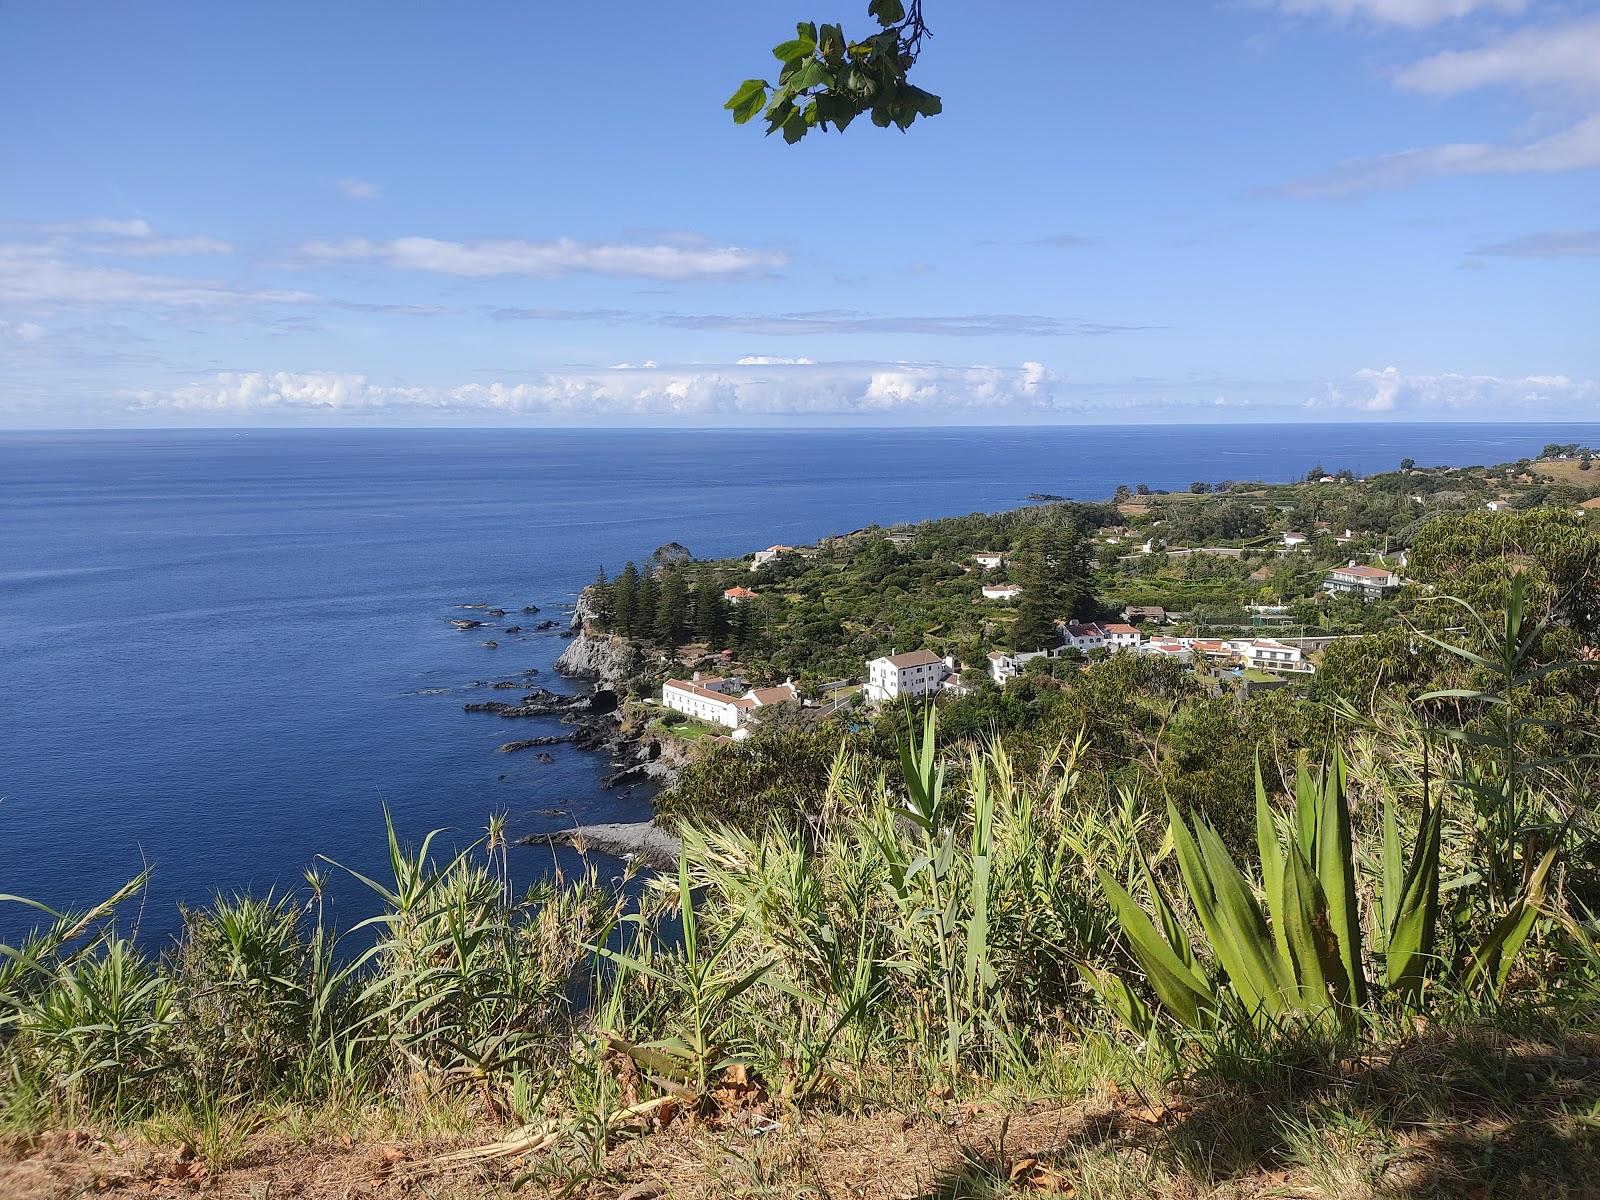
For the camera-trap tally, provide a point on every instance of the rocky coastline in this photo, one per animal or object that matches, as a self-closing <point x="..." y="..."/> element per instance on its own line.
<point x="604" y="663"/>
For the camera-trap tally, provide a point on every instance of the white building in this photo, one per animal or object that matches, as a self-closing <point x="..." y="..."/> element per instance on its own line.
<point x="1370" y="583"/>
<point x="1002" y="591"/>
<point x="1176" y="649"/>
<point x="989" y="560"/>
<point x="762" y="557"/>
<point x="1265" y="654"/>
<point x="914" y="673"/>
<point x="1496" y="505"/>
<point x="1005" y="667"/>
<point x="784" y="693"/>
<point x="694" y="699"/>
<point x="737" y="595"/>
<point x="1291" y="540"/>
<point x="1093" y="635"/>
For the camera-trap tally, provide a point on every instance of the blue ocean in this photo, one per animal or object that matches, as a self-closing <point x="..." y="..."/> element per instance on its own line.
<point x="223" y="653"/>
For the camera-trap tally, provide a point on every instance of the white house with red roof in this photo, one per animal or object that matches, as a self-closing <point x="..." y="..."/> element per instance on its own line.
<point x="694" y="699"/>
<point x="914" y="673"/>
<point x="737" y="595"/>
<point x="1369" y="583"/>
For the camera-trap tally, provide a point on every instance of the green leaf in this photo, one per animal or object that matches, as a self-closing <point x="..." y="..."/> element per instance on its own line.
<point x="1175" y="986"/>
<point x="750" y="99"/>
<point x="887" y="12"/>
<point x="791" y="51"/>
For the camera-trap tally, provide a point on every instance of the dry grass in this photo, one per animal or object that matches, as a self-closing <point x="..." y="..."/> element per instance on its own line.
<point x="1478" y="1114"/>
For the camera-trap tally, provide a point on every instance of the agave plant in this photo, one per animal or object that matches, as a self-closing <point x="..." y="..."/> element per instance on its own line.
<point x="1290" y="942"/>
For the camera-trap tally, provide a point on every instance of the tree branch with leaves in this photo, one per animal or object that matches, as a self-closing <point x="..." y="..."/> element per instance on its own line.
<point x="827" y="80"/>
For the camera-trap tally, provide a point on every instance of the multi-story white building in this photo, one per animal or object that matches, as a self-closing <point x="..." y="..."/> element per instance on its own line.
<point x="1265" y="654"/>
<point x="694" y="699"/>
<point x="1370" y="583"/>
<point x="914" y="673"/>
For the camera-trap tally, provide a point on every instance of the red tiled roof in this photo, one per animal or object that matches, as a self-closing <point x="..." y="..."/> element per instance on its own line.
<point x="783" y="693"/>
<point x="913" y="658"/>
<point x="705" y="693"/>
<point x="1120" y="628"/>
<point x="737" y="593"/>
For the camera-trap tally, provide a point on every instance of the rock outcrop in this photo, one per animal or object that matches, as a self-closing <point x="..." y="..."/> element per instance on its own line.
<point x="642" y="840"/>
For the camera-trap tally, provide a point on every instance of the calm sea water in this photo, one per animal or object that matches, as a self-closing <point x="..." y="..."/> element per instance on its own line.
<point x="223" y="653"/>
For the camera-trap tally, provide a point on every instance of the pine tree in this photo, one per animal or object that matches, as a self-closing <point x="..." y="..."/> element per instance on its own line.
<point x="600" y="601"/>
<point x="710" y="613"/>
<point x="1054" y="571"/>
<point x="672" y="608"/>
<point x="644" y="605"/>
<point x="625" y="600"/>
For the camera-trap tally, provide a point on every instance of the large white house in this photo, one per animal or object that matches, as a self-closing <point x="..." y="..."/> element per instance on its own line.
<point x="914" y="673"/>
<point x="715" y="700"/>
<point x="695" y="699"/>
<point x="1369" y="583"/>
<point x="989" y="560"/>
<point x="1093" y="635"/>
<point x="762" y="557"/>
<point x="1265" y="654"/>
<point x="1002" y="591"/>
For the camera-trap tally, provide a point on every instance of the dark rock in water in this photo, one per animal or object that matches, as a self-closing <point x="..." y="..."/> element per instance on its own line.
<point x="554" y="739"/>
<point x="496" y="612"/>
<point x="530" y="608"/>
<point x="672" y="553"/>
<point x="513" y="628"/>
<point x="543" y="757"/>
<point x="507" y="685"/>
<point x="627" y="774"/>
<point x="501" y="778"/>
<point x="546" y="624"/>
<point x="602" y="701"/>
<point x="643" y="840"/>
<point x="569" y="633"/>
<point x="491" y="645"/>
<point x="489" y="706"/>
<point x="463" y="623"/>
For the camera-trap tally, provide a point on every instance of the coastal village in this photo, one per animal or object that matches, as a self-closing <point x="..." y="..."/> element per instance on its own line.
<point x="1286" y="571"/>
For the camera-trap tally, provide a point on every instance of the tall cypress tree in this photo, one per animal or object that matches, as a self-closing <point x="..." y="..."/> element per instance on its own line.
<point x="645" y="600"/>
<point x="710" y="613"/>
<point x="625" y="600"/>
<point x="1054" y="571"/>
<point x="600" y="601"/>
<point x="672" y="608"/>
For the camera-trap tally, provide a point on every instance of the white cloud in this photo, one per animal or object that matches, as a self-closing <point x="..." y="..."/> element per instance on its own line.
<point x="1411" y="14"/>
<point x="1558" y="57"/>
<point x="563" y="256"/>
<point x="38" y="276"/>
<point x="763" y="360"/>
<point x="1389" y="390"/>
<point x="1573" y="149"/>
<point x="357" y="189"/>
<point x="1557" y="243"/>
<point x="649" y="390"/>
<point x="835" y="321"/>
<point x="134" y="238"/>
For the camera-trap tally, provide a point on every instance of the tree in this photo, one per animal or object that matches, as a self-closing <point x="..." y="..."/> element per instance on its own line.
<point x="1122" y="495"/>
<point x="600" y="604"/>
<point x="625" y="600"/>
<point x="1408" y="464"/>
<point x="1054" y="570"/>
<point x="672" y="608"/>
<point x="1199" y="487"/>
<point x="827" y="80"/>
<point x="710" y="613"/>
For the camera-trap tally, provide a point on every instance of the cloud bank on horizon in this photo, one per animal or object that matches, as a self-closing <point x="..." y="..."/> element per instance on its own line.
<point x="1397" y="182"/>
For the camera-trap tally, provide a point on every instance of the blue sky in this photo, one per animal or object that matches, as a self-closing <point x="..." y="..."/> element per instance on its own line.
<point x="539" y="214"/>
